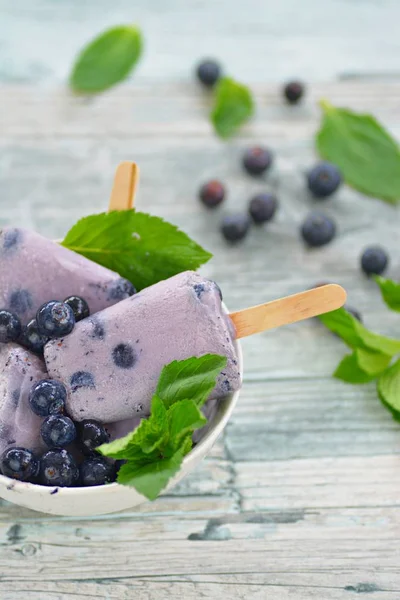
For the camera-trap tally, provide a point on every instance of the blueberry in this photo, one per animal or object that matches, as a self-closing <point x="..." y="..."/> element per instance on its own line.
<point x="92" y="434"/>
<point x="293" y="91"/>
<point x="55" y="319"/>
<point x="354" y="312"/>
<point x="212" y="193"/>
<point x="324" y="179"/>
<point x="235" y="227"/>
<point x="79" y="306"/>
<point x="208" y="72"/>
<point x="199" y="289"/>
<point x="10" y="327"/>
<point x="257" y="160"/>
<point x="11" y="239"/>
<point x="47" y="397"/>
<point x="98" y="331"/>
<point x="58" y="468"/>
<point x="32" y="339"/>
<point x="318" y="229"/>
<point x="121" y="289"/>
<point x="97" y="471"/>
<point x="262" y="207"/>
<point x="374" y="260"/>
<point x="19" y="463"/>
<point x="21" y="302"/>
<point x="81" y="379"/>
<point x="123" y="356"/>
<point x="58" y="431"/>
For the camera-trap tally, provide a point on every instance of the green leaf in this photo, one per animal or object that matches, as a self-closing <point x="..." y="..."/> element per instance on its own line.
<point x="128" y="242"/>
<point x="373" y="363"/>
<point x="233" y="106"/>
<point x="355" y="335"/>
<point x="390" y="292"/>
<point x="192" y="378"/>
<point x="183" y="418"/>
<point x="349" y="371"/>
<point x="366" y="154"/>
<point x="389" y="388"/>
<point x="150" y="479"/>
<point x="106" y="60"/>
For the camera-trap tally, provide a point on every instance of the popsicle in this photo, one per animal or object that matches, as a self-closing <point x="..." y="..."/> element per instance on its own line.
<point x="111" y="362"/>
<point x="19" y="371"/>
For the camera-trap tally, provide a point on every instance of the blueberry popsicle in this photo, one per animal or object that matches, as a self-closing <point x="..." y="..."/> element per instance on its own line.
<point x="19" y="371"/>
<point x="111" y="362"/>
<point x="34" y="270"/>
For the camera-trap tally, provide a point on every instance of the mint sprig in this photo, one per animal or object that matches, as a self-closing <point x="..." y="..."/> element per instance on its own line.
<point x="233" y="106"/>
<point x="366" y="154"/>
<point x="107" y="60"/>
<point x="140" y="247"/>
<point x="155" y="450"/>
<point x="390" y="292"/>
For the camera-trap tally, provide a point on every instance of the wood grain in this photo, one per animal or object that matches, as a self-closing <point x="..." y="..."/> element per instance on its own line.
<point x="124" y="187"/>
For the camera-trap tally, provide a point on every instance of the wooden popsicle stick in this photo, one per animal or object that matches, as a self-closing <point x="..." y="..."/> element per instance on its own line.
<point x="124" y="188"/>
<point x="290" y="309"/>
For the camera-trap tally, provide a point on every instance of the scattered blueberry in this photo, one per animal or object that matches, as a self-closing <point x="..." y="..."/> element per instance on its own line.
<point x="79" y="307"/>
<point x="257" y="160"/>
<point x="97" y="471"/>
<point x="199" y="289"/>
<point x="11" y="239"/>
<point x="318" y="229"/>
<point x="97" y="328"/>
<point x="10" y="327"/>
<point x="235" y="227"/>
<point x="324" y="179"/>
<point x="32" y="339"/>
<point x="58" y="468"/>
<point x="92" y="434"/>
<point x="123" y="356"/>
<point x="81" y="379"/>
<point x="293" y="91"/>
<point x="353" y="312"/>
<point x="374" y="260"/>
<point x="121" y="289"/>
<point x="208" y="72"/>
<point x="212" y="193"/>
<point x="19" y="463"/>
<point x="21" y="302"/>
<point x="58" y="431"/>
<point x="55" y="319"/>
<point x="47" y="397"/>
<point x="262" y="208"/>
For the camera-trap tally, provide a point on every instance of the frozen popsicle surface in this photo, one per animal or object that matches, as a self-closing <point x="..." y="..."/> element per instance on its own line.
<point x="111" y="363"/>
<point x="19" y="371"/>
<point x="34" y="270"/>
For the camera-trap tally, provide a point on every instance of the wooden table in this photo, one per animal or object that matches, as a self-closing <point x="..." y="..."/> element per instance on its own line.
<point x="300" y="499"/>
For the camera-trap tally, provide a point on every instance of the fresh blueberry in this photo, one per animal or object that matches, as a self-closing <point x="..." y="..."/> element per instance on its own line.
<point x="21" y="302"/>
<point x="318" y="229"/>
<point x="121" y="289"/>
<point x="19" y="463"/>
<point x="47" y="397"/>
<point x="257" y="160"/>
<point x="79" y="307"/>
<point x="97" y="471"/>
<point x="324" y="179"/>
<point x="58" y="468"/>
<point x="212" y="193"/>
<point x="55" y="319"/>
<point x="235" y="227"/>
<point x="92" y="434"/>
<point x="81" y="379"/>
<point x="262" y="208"/>
<point x="374" y="260"/>
<point x="10" y="327"/>
<point x="124" y="356"/>
<point x="32" y="339"/>
<point x="293" y="91"/>
<point x="208" y="72"/>
<point x="354" y="312"/>
<point x="58" y="431"/>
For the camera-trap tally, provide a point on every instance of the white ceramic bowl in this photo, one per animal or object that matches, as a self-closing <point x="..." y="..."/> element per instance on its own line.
<point x="78" y="502"/>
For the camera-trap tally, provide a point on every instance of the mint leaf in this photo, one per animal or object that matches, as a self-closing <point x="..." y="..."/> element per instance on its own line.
<point x="193" y="378"/>
<point x="389" y="388"/>
<point x="366" y="154"/>
<point x="390" y="292"/>
<point x="183" y="418"/>
<point x="355" y="335"/>
<point x="233" y="106"/>
<point x="140" y="247"/>
<point x="362" y="366"/>
<point x="150" y="479"/>
<point x="107" y="60"/>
